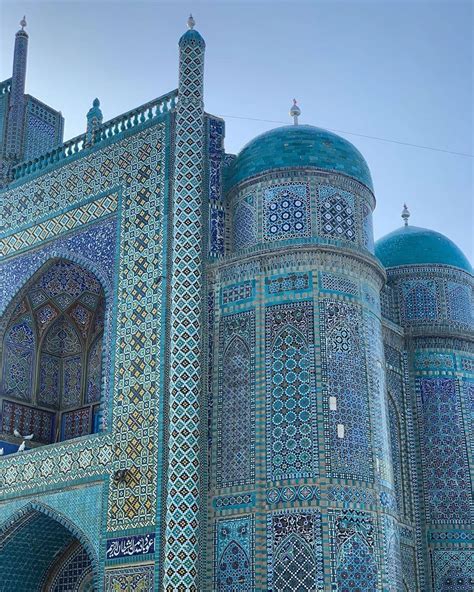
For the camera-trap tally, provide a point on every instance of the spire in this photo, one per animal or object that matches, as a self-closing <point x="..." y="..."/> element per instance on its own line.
<point x="295" y="112"/>
<point x="405" y="214"/>
<point x="23" y="23"/>
<point x="191" y="22"/>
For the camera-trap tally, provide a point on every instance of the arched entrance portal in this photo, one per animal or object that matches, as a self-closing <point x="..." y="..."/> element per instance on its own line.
<point x="41" y="551"/>
<point x="51" y="342"/>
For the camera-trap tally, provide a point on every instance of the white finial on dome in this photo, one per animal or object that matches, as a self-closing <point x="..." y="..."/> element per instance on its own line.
<point x="295" y="112"/>
<point x="191" y="22"/>
<point x="23" y="23"/>
<point x="405" y="214"/>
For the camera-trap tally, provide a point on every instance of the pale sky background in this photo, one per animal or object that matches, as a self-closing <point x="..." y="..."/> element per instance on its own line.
<point x="401" y="70"/>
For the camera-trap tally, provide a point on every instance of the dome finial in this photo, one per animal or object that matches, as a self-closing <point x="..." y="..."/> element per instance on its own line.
<point x="295" y="112"/>
<point x="23" y="23"/>
<point x="405" y="214"/>
<point x="191" y="22"/>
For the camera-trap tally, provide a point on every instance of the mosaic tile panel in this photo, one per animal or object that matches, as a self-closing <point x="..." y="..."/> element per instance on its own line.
<point x="234" y="555"/>
<point x="336" y="213"/>
<point x="76" y="423"/>
<point x="18" y="359"/>
<point x="344" y="377"/>
<point x="286" y="212"/>
<point x="408" y="559"/>
<point x="459" y="302"/>
<point x="419" y="300"/>
<point x="353" y="545"/>
<point x="293" y="282"/>
<point x="125" y="579"/>
<point x="55" y="226"/>
<point x="377" y="394"/>
<point x="453" y="570"/>
<point x="445" y="462"/>
<point x="236" y="403"/>
<point x="244" y="220"/>
<point x="337" y="283"/>
<point x="292" y="450"/>
<point x="236" y="293"/>
<point x="392" y="556"/>
<point x="216" y="209"/>
<point x="396" y="452"/>
<point x="294" y="547"/>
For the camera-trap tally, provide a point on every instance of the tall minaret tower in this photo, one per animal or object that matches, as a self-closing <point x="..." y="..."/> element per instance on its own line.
<point x="16" y="113"/>
<point x="183" y="507"/>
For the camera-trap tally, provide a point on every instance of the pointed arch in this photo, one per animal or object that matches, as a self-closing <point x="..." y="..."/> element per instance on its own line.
<point x="32" y="540"/>
<point x="356" y="566"/>
<point x="235" y="414"/>
<point x="291" y="448"/>
<point x="234" y="570"/>
<point x="295" y="565"/>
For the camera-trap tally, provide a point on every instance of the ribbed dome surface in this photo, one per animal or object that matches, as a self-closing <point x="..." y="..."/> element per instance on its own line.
<point x="411" y="245"/>
<point x="298" y="146"/>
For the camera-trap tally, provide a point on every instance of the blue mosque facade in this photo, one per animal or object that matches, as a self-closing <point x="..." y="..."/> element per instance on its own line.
<point x="211" y="378"/>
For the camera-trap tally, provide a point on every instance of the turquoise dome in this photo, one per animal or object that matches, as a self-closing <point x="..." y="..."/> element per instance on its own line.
<point x="298" y="146"/>
<point x="411" y="245"/>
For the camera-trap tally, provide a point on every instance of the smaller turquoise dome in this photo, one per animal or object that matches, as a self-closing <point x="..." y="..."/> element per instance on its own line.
<point x="294" y="146"/>
<point x="192" y="37"/>
<point x="411" y="245"/>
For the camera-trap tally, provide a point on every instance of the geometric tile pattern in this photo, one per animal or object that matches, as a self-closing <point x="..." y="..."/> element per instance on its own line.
<point x="294" y="541"/>
<point x="453" y="570"/>
<point x="215" y="153"/>
<point x="291" y="418"/>
<point x="409" y="567"/>
<point x="459" y="303"/>
<point x="392" y="557"/>
<point x="74" y="572"/>
<point x="345" y="378"/>
<point x="244" y="224"/>
<point x="336" y="213"/>
<point x="446" y="469"/>
<point x="183" y="501"/>
<point x="378" y="398"/>
<point x="419" y="301"/>
<point x="235" y="409"/>
<point x="286" y="212"/>
<point x="57" y="225"/>
<point x="288" y="283"/>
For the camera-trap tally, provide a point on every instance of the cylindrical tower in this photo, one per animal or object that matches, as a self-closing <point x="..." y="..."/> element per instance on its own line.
<point x="430" y="286"/>
<point x="301" y="487"/>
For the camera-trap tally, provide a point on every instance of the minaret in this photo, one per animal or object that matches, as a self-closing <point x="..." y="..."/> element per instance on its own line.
<point x="183" y="506"/>
<point x="14" y="140"/>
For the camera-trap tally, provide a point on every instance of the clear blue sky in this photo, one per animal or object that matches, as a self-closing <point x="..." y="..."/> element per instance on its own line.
<point x="400" y="70"/>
